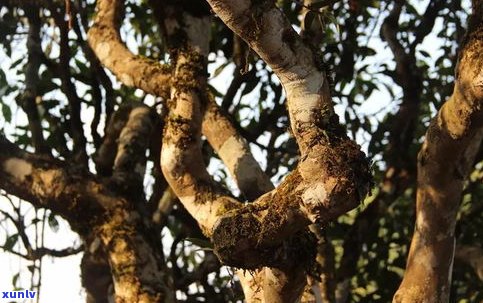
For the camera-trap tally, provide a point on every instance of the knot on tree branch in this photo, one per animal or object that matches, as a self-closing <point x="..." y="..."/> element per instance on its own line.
<point x="240" y="240"/>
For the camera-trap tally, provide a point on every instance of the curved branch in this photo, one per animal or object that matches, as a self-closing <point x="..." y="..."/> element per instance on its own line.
<point x="96" y="273"/>
<point x="89" y="206"/>
<point x="29" y="97"/>
<point x="444" y="161"/>
<point x="106" y="153"/>
<point x="471" y="255"/>
<point x="40" y="180"/>
<point x="235" y="153"/>
<point x="181" y="158"/>
<point x="333" y="174"/>
<point x="231" y="147"/>
<point x="130" y="162"/>
<point x="324" y="145"/>
<point x="153" y="78"/>
<point x="132" y="70"/>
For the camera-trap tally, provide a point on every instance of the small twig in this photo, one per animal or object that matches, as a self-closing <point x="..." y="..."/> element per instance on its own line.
<point x="68" y="14"/>
<point x="42" y="238"/>
<point x="318" y="6"/>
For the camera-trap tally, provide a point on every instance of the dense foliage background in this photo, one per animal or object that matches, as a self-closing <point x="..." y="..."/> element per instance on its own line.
<point x="389" y="78"/>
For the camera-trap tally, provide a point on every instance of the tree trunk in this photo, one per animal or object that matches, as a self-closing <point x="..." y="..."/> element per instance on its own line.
<point x="446" y="157"/>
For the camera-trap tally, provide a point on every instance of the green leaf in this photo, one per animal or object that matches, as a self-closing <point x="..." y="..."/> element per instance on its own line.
<point x="6" y="113"/>
<point x="82" y="67"/>
<point x="219" y="69"/>
<point x="53" y="223"/>
<point x="309" y="19"/>
<point x="16" y="63"/>
<point x="15" y="279"/>
<point x="10" y="242"/>
<point x="3" y="90"/>
<point x="425" y="54"/>
<point x="31" y="268"/>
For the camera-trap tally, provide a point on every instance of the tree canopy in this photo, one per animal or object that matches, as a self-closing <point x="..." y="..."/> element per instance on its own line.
<point x="262" y="150"/>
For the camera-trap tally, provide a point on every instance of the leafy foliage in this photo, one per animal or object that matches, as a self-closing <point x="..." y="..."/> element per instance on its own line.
<point x="370" y="243"/>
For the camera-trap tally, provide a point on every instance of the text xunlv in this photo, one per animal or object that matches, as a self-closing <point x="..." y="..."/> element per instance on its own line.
<point x="18" y="294"/>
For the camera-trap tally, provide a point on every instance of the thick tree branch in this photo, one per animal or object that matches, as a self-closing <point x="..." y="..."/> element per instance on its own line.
<point x="235" y="153"/>
<point x="218" y="129"/>
<point x="181" y="158"/>
<point x="39" y="180"/>
<point x="106" y="153"/>
<point x="301" y="197"/>
<point x="104" y="38"/>
<point x="324" y="185"/>
<point x="189" y="189"/>
<point x="30" y="95"/>
<point x="446" y="157"/>
<point x="313" y="121"/>
<point x="90" y="206"/>
<point x="96" y="273"/>
<point x="130" y="162"/>
<point x="471" y="255"/>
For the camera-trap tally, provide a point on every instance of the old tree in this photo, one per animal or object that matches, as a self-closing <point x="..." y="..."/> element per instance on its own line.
<point x="156" y="127"/>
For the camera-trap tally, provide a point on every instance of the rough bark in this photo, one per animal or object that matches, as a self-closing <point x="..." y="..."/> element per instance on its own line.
<point x="106" y="153"/>
<point x="155" y="79"/>
<point x="181" y="149"/>
<point x="332" y="176"/>
<point x="452" y="141"/>
<point x="222" y="135"/>
<point x="121" y="160"/>
<point x="96" y="273"/>
<point x="342" y="187"/>
<point x="400" y="161"/>
<point x="89" y="206"/>
<point x="129" y="166"/>
<point x="105" y="40"/>
<point x="274" y="219"/>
